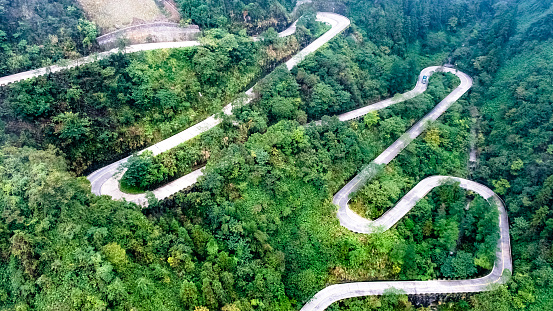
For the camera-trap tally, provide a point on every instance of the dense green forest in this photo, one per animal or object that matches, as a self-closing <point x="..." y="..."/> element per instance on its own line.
<point x="248" y="236"/>
<point x="259" y="231"/>
<point x="308" y="92"/>
<point x="255" y="16"/>
<point x="506" y="47"/>
<point x="36" y="33"/>
<point x="105" y="110"/>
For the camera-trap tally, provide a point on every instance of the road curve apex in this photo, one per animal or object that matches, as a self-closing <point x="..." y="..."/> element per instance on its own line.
<point x="352" y="221"/>
<point x="499" y="274"/>
<point x="104" y="181"/>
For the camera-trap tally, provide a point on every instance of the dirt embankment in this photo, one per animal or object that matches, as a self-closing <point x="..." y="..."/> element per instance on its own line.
<point x="112" y="15"/>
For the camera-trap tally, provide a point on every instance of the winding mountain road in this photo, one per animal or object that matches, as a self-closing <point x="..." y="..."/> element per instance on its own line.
<point x="103" y="181"/>
<point x="336" y="20"/>
<point x="356" y="223"/>
<point x="503" y="262"/>
<point x="347" y="217"/>
<point x="92" y="58"/>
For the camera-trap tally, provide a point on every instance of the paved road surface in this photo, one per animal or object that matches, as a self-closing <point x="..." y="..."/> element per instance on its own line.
<point x="417" y="90"/>
<point x="503" y="262"/>
<point x="130" y="49"/>
<point x="104" y="181"/>
<point x="92" y="58"/>
<point x="342" y="197"/>
<point x="356" y="223"/>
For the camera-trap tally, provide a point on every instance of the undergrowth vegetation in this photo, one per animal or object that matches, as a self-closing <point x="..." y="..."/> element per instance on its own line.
<point x="103" y="111"/>
<point x="258" y="231"/>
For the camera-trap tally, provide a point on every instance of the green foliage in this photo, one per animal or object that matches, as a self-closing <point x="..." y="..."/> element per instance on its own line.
<point x="392" y="299"/>
<point x="257" y="232"/>
<point x="279" y="95"/>
<point x="448" y="240"/>
<point x="460" y="266"/>
<point x="38" y="33"/>
<point x="189" y="294"/>
<point x="441" y="238"/>
<point x="371" y="119"/>
<point x="501" y="186"/>
<point x="498" y="299"/>
<point x="252" y="15"/>
<point x="88" y="31"/>
<point x="70" y="127"/>
<point x="116" y="255"/>
<point x="126" y="102"/>
<point x="147" y="172"/>
<point x="139" y="166"/>
<point x="350" y="75"/>
<point x="380" y="194"/>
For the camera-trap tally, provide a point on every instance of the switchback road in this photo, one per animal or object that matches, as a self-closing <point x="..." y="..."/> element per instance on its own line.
<point x="102" y="180"/>
<point x="347" y="217"/>
<point x="502" y="264"/>
<point x="356" y="223"/>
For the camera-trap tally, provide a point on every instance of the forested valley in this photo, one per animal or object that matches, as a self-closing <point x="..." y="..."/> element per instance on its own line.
<point x="259" y="230"/>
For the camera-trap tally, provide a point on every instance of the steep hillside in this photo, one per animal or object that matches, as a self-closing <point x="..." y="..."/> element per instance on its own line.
<point x="258" y="231"/>
<point x="35" y="33"/>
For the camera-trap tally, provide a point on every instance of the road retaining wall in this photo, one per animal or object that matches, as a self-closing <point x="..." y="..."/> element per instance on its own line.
<point x="149" y="33"/>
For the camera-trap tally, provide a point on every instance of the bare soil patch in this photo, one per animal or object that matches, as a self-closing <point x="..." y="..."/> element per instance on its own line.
<point x="110" y="15"/>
